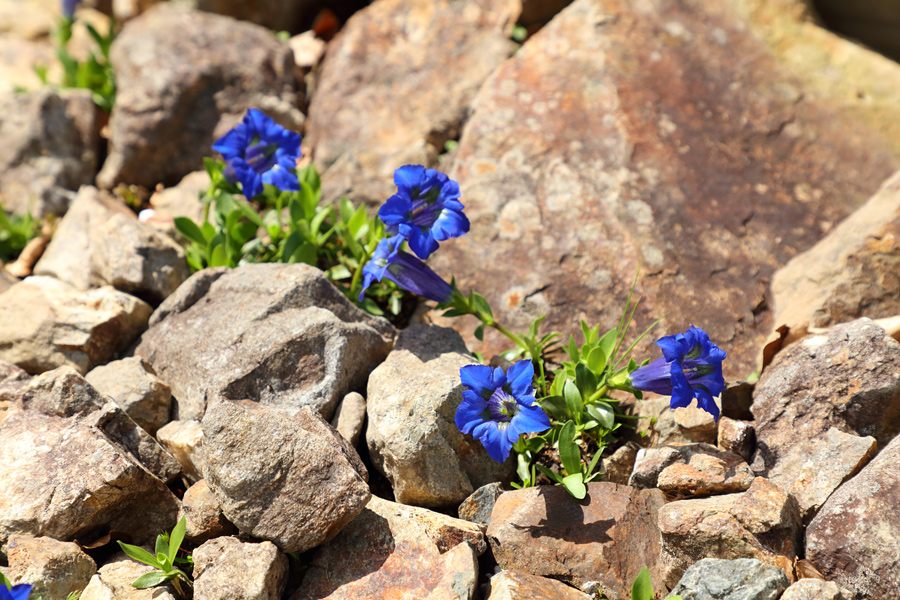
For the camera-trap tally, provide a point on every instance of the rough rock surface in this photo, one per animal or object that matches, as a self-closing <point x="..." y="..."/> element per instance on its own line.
<point x="690" y="470"/>
<point x="203" y="515"/>
<point x="46" y="323"/>
<point x="384" y="97"/>
<point x="399" y="552"/>
<point x="634" y="132"/>
<point x="136" y="258"/>
<point x="607" y="538"/>
<point x="762" y="523"/>
<point x="57" y="452"/>
<point x="848" y="378"/>
<point x="184" y="441"/>
<point x="44" y="157"/>
<point x="618" y="466"/>
<point x="739" y="579"/>
<point x="674" y="426"/>
<point x="350" y="417"/>
<point x="289" y="479"/>
<point x="278" y="334"/>
<point x="228" y="569"/>
<point x="815" y="589"/>
<point x="515" y="585"/>
<point x="853" y="540"/>
<point x="412" y="436"/>
<point x="183" y="199"/>
<point x="738" y="437"/>
<point x="176" y="96"/>
<point x="113" y="581"/>
<point x="69" y="254"/>
<point x="55" y="569"/>
<point x="134" y="386"/>
<point x="279" y="15"/>
<point x="478" y="507"/>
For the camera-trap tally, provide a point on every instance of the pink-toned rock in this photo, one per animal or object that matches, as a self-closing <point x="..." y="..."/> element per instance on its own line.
<point x="691" y="470"/>
<point x="515" y="585"/>
<point x="608" y="538"/>
<point x="399" y="552"/>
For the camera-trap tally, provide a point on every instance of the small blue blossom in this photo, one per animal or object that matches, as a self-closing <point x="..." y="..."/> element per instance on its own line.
<point x="691" y="367"/>
<point x="499" y="407"/>
<point x="18" y="592"/>
<point x="405" y="270"/>
<point x="68" y="8"/>
<point x="426" y="209"/>
<point x="260" y="151"/>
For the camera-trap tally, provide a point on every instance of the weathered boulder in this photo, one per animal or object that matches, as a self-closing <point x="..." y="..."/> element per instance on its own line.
<point x="815" y="589"/>
<point x="384" y="97"/>
<point x="690" y="470"/>
<point x="278" y="334"/>
<point x="55" y="569"/>
<point x="763" y="523"/>
<point x="515" y="585"/>
<point x="113" y="581"/>
<point x="608" y="538"/>
<point x="46" y="323"/>
<point x="227" y="568"/>
<point x="44" y="157"/>
<point x="134" y="386"/>
<point x="396" y="551"/>
<point x="635" y="132"/>
<point x="176" y="96"/>
<point x="739" y="579"/>
<point x="203" y="515"/>
<point x="287" y="478"/>
<point x="848" y="379"/>
<point x="853" y="540"/>
<point x="412" y="435"/>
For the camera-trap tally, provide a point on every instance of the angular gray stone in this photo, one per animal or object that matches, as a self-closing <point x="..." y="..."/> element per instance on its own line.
<point x="848" y="379"/>
<point x="815" y="589"/>
<point x="477" y="508"/>
<point x="369" y="116"/>
<point x="46" y="323"/>
<point x="175" y="96"/>
<point x="113" y="582"/>
<point x="278" y="334"/>
<point x="69" y="254"/>
<point x="44" y="156"/>
<point x="739" y="579"/>
<point x="854" y="540"/>
<point x="184" y="441"/>
<point x="412" y="435"/>
<point x="287" y="478"/>
<point x="350" y="416"/>
<point x="203" y="515"/>
<point x="136" y="258"/>
<point x="227" y="568"/>
<point x="55" y="569"/>
<point x="134" y="386"/>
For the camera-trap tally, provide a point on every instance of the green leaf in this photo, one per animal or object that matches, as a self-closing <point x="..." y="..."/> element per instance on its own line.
<point x="338" y="272"/>
<point x="596" y="360"/>
<point x="479" y="332"/>
<point x="162" y="547"/>
<point x="523" y="468"/>
<point x="559" y="378"/>
<point x="535" y="326"/>
<point x="551" y="474"/>
<point x="603" y="413"/>
<point x="573" y="398"/>
<point x="608" y="342"/>
<point x="209" y="231"/>
<point x="574" y="484"/>
<point x="586" y="332"/>
<point x="481" y="305"/>
<point x="357" y="221"/>
<point x="346" y="209"/>
<point x="218" y="257"/>
<point x="556" y="406"/>
<point x="569" y="452"/>
<point x="642" y="588"/>
<point x="4" y="580"/>
<point x="186" y="227"/>
<point x="249" y="212"/>
<point x="585" y="380"/>
<point x="140" y="555"/>
<point x="176" y="538"/>
<point x="149" y="580"/>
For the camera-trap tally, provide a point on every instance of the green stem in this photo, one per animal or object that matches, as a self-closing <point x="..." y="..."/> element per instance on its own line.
<point x="357" y="274"/>
<point x="598" y="394"/>
<point x="515" y="339"/>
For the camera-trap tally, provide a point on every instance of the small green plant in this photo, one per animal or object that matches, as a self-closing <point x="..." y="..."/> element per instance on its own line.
<point x="15" y="232"/>
<point x="642" y="588"/>
<point x="164" y="560"/>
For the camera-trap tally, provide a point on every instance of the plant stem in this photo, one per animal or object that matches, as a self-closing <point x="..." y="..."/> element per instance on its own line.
<point x="354" y="282"/>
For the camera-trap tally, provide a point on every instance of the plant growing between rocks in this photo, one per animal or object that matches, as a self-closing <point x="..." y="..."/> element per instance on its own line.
<point x="164" y="560"/>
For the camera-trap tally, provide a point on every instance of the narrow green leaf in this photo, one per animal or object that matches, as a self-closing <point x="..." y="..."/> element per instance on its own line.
<point x="573" y="398"/>
<point x="208" y="231"/>
<point x="642" y="589"/>
<point x="479" y="333"/>
<point x="356" y="221"/>
<point x="535" y="326"/>
<point x="556" y="388"/>
<point x="586" y="332"/>
<point x="176" y="538"/>
<point x="149" y="580"/>
<point x="481" y="305"/>
<point x="346" y="209"/>
<point x="551" y="474"/>
<point x="162" y="547"/>
<point x="186" y="227"/>
<point x="574" y="484"/>
<point x="607" y="343"/>
<point x="569" y="452"/>
<point x="4" y="580"/>
<point x="140" y="555"/>
<point x="523" y="468"/>
<point x="596" y="360"/>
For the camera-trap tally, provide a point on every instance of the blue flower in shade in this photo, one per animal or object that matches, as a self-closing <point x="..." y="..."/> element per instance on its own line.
<point x="68" y="8"/>
<point x="691" y="367"/>
<point x="18" y="592"/>
<point x="498" y="407"/>
<point x="260" y="151"/>
<point x="405" y="270"/>
<point x="426" y="209"/>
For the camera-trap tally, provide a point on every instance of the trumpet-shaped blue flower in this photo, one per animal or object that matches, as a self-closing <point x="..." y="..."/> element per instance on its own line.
<point x="426" y="209"/>
<point x="260" y="151"/>
<point x="405" y="270"/>
<point x="691" y="367"/>
<point x="498" y="407"/>
<point x="68" y="8"/>
<point x="18" y="592"/>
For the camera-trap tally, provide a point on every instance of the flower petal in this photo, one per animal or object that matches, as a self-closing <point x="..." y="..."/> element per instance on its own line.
<point x="682" y="393"/>
<point x="449" y="224"/>
<point x="493" y="440"/>
<point x="470" y="412"/>
<point x="530" y="419"/>
<point x="706" y="401"/>
<point x="655" y="377"/>
<point x="408" y="177"/>
<point x="423" y="244"/>
<point x="520" y="377"/>
<point x="478" y="378"/>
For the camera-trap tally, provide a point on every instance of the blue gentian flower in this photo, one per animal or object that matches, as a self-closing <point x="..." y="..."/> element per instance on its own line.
<point x="426" y="209"/>
<point x="498" y="407"/>
<point x="18" y="592"/>
<point x="405" y="270"/>
<point x="691" y="367"/>
<point x="68" y="8"/>
<point x="259" y="151"/>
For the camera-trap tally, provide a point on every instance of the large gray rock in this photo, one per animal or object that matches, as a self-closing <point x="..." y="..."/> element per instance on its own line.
<point x="412" y="435"/>
<point x="853" y="540"/>
<point x="278" y="334"/>
<point x="184" y="78"/>
<point x="63" y="445"/>
<point x="396" y="551"/>
<point x="227" y="568"/>
<point x="384" y="98"/>
<point x="848" y="379"/>
<point x="134" y="386"/>
<point x="287" y="478"/>
<point x="55" y="569"/>
<point x="739" y="579"/>
<point x="46" y="323"/>
<point x="203" y="515"/>
<point x="44" y="157"/>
